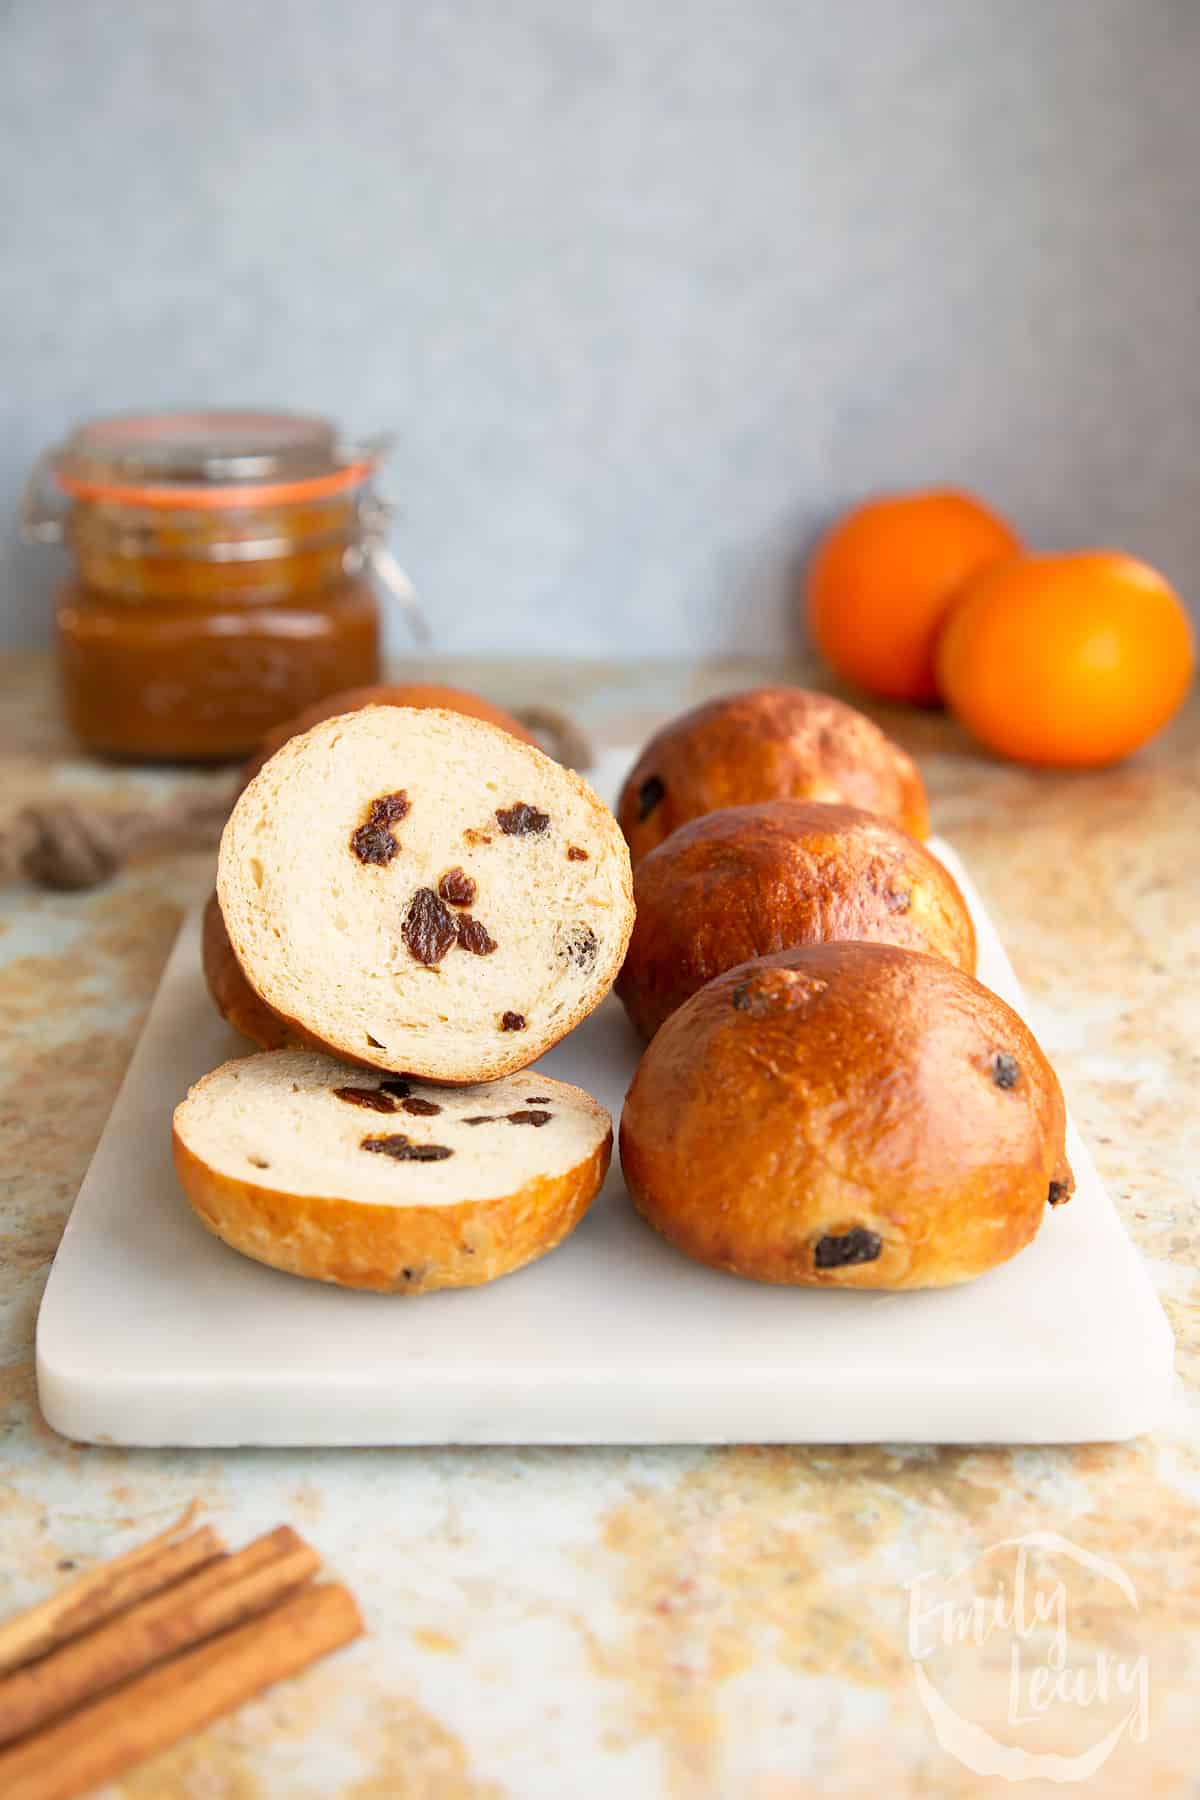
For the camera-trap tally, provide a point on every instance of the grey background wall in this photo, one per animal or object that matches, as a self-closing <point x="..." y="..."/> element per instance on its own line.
<point x="647" y="287"/>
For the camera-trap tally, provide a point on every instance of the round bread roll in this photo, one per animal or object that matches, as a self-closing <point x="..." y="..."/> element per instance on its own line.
<point x="299" y="1162"/>
<point x="749" y="880"/>
<point x="417" y="891"/>
<point x="401" y="693"/>
<point x="774" y="743"/>
<point x="846" y="1115"/>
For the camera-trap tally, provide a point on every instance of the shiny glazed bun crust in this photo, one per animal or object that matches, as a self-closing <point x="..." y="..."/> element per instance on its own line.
<point x="846" y="1115"/>
<point x="773" y="743"/>
<point x="748" y="881"/>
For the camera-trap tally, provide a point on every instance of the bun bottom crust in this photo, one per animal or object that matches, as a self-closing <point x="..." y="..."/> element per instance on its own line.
<point x="391" y="1249"/>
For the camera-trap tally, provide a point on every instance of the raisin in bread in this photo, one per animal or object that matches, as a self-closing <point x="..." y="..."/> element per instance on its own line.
<point x="378" y="1182"/>
<point x="419" y="892"/>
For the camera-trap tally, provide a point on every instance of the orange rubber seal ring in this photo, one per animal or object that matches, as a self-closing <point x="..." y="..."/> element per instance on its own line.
<point x="186" y="499"/>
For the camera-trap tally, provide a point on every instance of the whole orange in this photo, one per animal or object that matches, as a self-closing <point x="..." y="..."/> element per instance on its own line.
<point x="883" y="579"/>
<point x="1069" y="661"/>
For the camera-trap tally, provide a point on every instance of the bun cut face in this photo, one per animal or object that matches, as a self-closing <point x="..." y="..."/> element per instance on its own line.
<point x="416" y="891"/>
<point x="846" y="1115"/>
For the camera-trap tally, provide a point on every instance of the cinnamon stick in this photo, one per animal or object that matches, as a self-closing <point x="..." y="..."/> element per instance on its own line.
<point x="222" y="1594"/>
<point x="101" y="1592"/>
<point x="156" y="1710"/>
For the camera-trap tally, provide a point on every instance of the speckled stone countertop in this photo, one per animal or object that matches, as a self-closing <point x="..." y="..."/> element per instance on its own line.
<point x="677" y="1622"/>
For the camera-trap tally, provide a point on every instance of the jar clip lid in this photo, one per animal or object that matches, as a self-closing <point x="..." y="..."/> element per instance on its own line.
<point x="203" y="461"/>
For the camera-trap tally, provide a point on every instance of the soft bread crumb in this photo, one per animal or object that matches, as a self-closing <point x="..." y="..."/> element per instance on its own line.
<point x="293" y="1111"/>
<point x="369" y="957"/>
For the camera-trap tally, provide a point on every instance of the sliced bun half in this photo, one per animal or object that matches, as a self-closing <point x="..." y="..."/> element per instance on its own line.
<point x="418" y="892"/>
<point x="380" y="1182"/>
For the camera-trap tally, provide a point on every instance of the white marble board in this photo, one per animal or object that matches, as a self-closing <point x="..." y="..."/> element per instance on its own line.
<point x="152" y="1332"/>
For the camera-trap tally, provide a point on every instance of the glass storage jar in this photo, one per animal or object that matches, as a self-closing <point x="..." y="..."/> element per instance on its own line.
<point x="223" y="579"/>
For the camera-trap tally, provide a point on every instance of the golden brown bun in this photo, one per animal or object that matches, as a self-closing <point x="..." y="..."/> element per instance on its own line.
<point x="232" y="995"/>
<point x="410" y="693"/>
<point x="775" y="743"/>
<point x="750" y="880"/>
<point x="848" y="1115"/>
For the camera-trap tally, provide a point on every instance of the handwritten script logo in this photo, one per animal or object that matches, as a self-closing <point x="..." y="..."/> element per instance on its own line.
<point x="1011" y="1612"/>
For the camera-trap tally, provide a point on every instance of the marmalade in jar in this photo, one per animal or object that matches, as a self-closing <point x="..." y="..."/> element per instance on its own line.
<point x="222" y="579"/>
